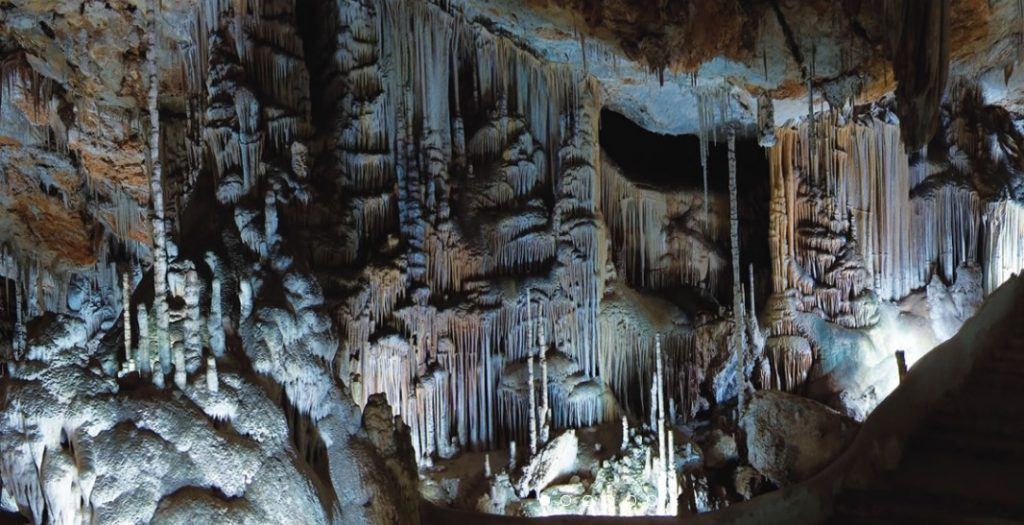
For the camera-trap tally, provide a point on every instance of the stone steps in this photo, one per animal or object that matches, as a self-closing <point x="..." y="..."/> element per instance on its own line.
<point x="921" y="508"/>
<point x="966" y="465"/>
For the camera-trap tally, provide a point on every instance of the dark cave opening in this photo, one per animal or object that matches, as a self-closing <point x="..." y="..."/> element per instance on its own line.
<point x="672" y="162"/>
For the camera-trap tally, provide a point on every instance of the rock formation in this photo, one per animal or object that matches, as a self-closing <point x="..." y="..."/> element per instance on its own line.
<point x="273" y="261"/>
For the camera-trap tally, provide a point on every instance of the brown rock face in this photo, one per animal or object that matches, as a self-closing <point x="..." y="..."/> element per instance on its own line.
<point x="673" y="35"/>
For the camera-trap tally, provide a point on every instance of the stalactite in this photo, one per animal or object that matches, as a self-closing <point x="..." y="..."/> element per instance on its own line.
<point x="659" y="385"/>
<point x="159" y="226"/>
<point x="532" y="415"/>
<point x="765" y="121"/>
<point x="708" y="100"/>
<point x="545" y="408"/>
<point x="20" y="334"/>
<point x="812" y="167"/>
<point x="739" y="326"/>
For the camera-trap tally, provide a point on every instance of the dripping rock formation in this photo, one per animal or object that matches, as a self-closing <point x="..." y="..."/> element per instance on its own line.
<point x="416" y="261"/>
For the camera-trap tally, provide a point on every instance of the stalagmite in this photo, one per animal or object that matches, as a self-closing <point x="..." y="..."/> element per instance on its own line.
<point x="653" y="421"/>
<point x="673" y="480"/>
<point x="211" y="374"/>
<point x="215" y="320"/>
<point x="245" y="298"/>
<point x="159" y="225"/>
<point x="159" y="380"/>
<point x="511" y="455"/>
<point x="145" y="360"/>
<point x="487" y="465"/>
<point x="625" y="433"/>
<point x="180" y="375"/>
<point x="126" y="315"/>
<point x="193" y="323"/>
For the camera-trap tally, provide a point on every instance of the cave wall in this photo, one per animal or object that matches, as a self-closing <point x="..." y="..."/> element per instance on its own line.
<point x="372" y="197"/>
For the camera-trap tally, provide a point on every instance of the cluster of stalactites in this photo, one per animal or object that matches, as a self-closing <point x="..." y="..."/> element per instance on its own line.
<point x="41" y="289"/>
<point x="582" y="249"/>
<point x="418" y="392"/>
<point x="427" y="50"/>
<point x="236" y="126"/>
<point x="710" y="100"/>
<point x="428" y="45"/>
<point x="1004" y="242"/>
<point x="628" y="361"/>
<point x="19" y="80"/>
<point x="661" y="241"/>
<point x="40" y="100"/>
<point x="461" y="355"/>
<point x="857" y="197"/>
<point x="789" y="353"/>
<point x="424" y="51"/>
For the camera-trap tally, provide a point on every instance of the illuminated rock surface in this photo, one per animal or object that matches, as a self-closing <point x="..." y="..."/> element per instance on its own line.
<point x="321" y="261"/>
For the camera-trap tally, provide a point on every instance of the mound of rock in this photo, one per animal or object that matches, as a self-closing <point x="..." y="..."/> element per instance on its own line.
<point x="791" y="438"/>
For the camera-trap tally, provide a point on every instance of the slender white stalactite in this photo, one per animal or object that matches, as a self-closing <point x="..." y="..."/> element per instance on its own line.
<point x="659" y="385"/>
<point x="753" y="303"/>
<point x="159" y="226"/>
<point x="545" y="408"/>
<point x="737" y="293"/>
<point x="20" y="334"/>
<point x="532" y="416"/>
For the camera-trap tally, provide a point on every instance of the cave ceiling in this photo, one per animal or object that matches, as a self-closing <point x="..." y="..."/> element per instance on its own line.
<point x="652" y="60"/>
